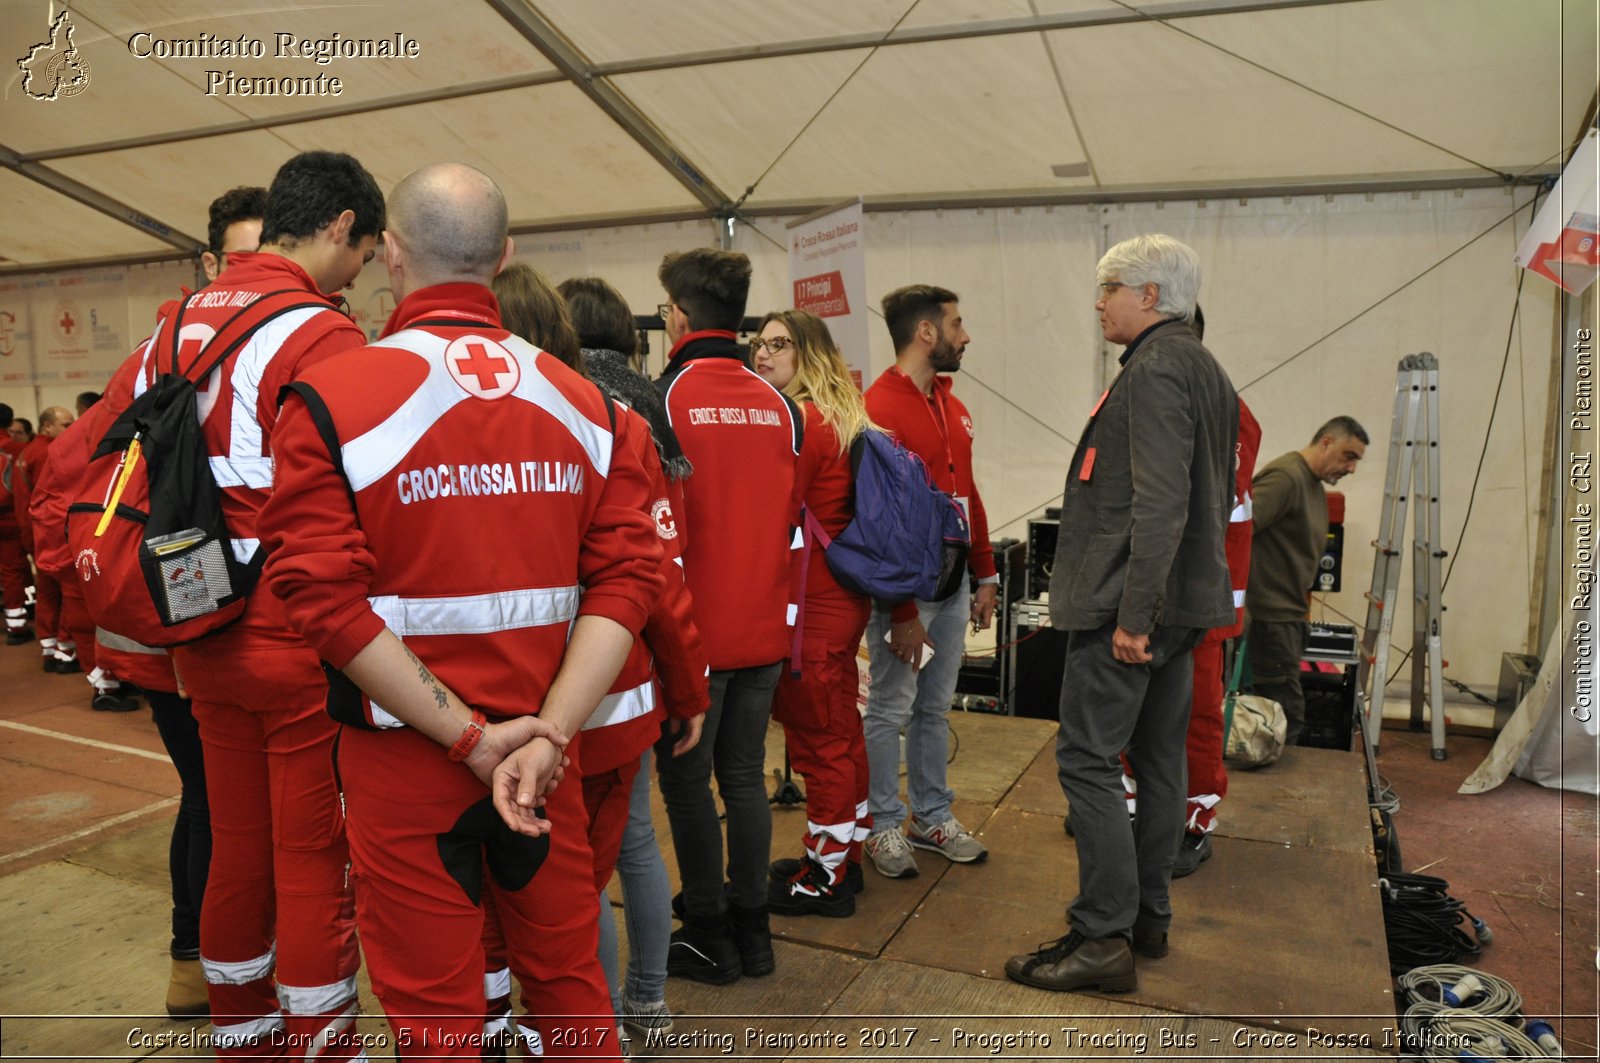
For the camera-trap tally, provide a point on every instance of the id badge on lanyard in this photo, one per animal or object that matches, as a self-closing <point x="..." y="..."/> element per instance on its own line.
<point x="1086" y="470"/>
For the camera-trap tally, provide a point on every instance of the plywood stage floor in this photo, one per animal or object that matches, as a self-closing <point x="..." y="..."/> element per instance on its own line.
<point x="1277" y="942"/>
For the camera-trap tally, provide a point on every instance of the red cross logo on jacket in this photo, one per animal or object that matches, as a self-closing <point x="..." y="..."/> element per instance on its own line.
<point x="482" y="367"/>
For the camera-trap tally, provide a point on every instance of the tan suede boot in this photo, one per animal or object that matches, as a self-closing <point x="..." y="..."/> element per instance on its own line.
<point x="186" y="991"/>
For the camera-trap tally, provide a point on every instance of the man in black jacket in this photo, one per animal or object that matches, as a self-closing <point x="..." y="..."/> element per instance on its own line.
<point x="1140" y="574"/>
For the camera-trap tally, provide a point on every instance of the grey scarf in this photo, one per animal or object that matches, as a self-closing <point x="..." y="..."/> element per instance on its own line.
<point x="612" y="374"/>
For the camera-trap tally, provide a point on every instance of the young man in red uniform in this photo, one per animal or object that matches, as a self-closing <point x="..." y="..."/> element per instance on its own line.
<point x="913" y="399"/>
<point x="277" y="934"/>
<point x="55" y="641"/>
<point x="448" y="504"/>
<point x="233" y="225"/>
<point x="742" y="436"/>
<point x="14" y="574"/>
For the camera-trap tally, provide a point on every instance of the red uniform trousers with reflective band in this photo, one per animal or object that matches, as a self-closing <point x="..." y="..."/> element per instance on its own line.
<point x="279" y="856"/>
<point x="408" y="804"/>
<point x="76" y="625"/>
<point x="53" y="636"/>
<point x="822" y="726"/>
<point x="1208" y="778"/>
<point x="14" y="577"/>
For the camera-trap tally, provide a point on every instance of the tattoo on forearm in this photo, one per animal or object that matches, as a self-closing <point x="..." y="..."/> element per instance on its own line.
<point x="441" y="697"/>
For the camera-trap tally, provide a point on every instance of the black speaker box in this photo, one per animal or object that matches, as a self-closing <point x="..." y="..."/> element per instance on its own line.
<point x="1039" y="657"/>
<point x="1042" y="551"/>
<point x="981" y="684"/>
<point x="1330" y="708"/>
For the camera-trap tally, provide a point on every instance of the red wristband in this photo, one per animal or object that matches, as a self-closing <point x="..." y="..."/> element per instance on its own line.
<point x="470" y="735"/>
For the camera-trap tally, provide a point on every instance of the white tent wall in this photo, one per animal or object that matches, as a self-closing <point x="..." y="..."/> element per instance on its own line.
<point x="1283" y="275"/>
<point x="1310" y="302"/>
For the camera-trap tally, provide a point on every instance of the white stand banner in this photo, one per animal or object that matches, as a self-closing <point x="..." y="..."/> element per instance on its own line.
<point x="828" y="268"/>
<point x="1563" y="243"/>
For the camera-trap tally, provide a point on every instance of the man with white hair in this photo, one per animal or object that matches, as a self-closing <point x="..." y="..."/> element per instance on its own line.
<point x="1140" y="574"/>
<point x="458" y="528"/>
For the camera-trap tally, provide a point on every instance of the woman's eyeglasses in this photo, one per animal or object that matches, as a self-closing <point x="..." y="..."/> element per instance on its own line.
<point x="777" y="344"/>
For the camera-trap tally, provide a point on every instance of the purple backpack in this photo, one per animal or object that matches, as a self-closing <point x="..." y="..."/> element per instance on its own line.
<point x="908" y="539"/>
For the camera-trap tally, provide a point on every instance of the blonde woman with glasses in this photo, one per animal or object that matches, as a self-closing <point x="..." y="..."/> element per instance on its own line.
<point x="794" y="352"/>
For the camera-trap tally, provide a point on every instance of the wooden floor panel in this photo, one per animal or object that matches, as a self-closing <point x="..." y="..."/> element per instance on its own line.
<point x="1280" y="932"/>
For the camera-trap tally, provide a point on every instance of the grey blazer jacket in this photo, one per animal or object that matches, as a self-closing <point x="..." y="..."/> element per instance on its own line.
<point x="1148" y="494"/>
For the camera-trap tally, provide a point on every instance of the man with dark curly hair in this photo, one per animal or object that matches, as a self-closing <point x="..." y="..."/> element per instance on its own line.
<point x="277" y="941"/>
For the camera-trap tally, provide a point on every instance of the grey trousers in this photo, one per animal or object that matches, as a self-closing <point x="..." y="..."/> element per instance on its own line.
<point x="1124" y="870"/>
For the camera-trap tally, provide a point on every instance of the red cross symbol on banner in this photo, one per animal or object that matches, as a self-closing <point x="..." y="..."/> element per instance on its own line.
<point x="482" y="367"/>
<point x="66" y="322"/>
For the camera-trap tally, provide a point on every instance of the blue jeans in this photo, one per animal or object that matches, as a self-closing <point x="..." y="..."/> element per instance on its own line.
<point x="646" y="903"/>
<point x="919" y="702"/>
<point x="733" y="743"/>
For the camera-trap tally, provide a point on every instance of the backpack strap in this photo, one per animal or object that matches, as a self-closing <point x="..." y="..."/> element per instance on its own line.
<point x="323" y="420"/>
<point x="797" y="419"/>
<point x="236" y="331"/>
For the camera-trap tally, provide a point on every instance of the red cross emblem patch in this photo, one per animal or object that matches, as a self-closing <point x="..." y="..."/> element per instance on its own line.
<point x="482" y="367"/>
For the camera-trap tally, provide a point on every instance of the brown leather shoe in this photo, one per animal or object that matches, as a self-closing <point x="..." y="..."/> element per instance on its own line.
<point x="1077" y="962"/>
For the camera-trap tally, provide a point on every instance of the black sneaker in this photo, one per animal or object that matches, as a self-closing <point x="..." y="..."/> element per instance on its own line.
<point x="66" y="667"/>
<point x="49" y="662"/>
<point x="111" y="701"/>
<point x="807" y="892"/>
<point x="1195" y="850"/>
<point x="786" y="869"/>
<point x="17" y="636"/>
<point x="704" y="952"/>
<point x="753" y="938"/>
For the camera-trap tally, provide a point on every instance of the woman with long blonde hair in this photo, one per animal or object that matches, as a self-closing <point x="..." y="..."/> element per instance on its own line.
<point x="794" y="352"/>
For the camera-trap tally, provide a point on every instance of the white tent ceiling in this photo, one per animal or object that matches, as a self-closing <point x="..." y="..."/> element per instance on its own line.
<point x="590" y="111"/>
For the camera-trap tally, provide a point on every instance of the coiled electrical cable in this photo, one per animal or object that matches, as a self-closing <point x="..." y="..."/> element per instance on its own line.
<point x="1457" y="1013"/>
<point x="1421" y="921"/>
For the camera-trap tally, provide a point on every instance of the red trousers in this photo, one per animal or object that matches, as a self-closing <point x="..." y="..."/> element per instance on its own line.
<point x="427" y="846"/>
<point x="606" y="796"/>
<point x="822" y="728"/>
<point x="279" y="857"/>
<point x="1208" y="777"/>
<point x="47" y="613"/>
<point x="75" y="624"/>
<point x="14" y="578"/>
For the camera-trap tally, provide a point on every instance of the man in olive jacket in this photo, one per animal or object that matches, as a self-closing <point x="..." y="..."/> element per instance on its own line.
<point x="1140" y="574"/>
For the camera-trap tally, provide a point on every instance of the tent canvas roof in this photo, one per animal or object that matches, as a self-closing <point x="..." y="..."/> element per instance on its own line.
<point x="592" y="111"/>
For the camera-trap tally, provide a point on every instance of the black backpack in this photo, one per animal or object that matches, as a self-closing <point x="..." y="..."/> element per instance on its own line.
<point x="146" y="529"/>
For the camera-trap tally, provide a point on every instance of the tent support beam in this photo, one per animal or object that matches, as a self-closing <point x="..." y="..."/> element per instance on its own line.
<point x="318" y="114"/>
<point x="545" y="37"/>
<point x="1174" y="194"/>
<point x="1158" y="12"/>
<point x="97" y="200"/>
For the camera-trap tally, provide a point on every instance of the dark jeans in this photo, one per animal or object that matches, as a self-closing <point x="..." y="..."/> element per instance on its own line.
<point x="1107" y="707"/>
<point x="733" y="744"/>
<point x="1276" y="648"/>
<point x="189" y="854"/>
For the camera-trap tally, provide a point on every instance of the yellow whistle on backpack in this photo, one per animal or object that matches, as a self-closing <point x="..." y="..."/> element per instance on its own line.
<point x="130" y="458"/>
